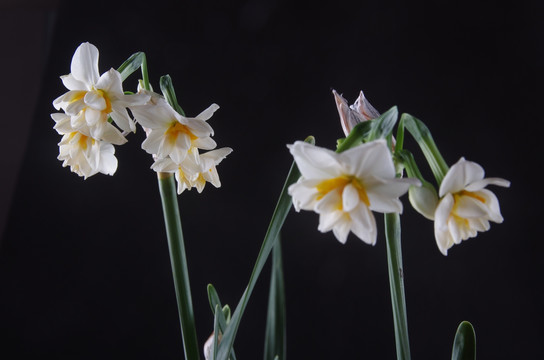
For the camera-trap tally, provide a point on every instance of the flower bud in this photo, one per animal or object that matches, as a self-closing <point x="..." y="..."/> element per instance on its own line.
<point x="424" y="199"/>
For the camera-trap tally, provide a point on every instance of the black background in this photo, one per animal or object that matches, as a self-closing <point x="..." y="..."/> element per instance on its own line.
<point x="84" y="265"/>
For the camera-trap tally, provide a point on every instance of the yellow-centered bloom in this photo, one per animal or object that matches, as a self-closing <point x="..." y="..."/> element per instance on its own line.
<point x="195" y="169"/>
<point x="170" y="134"/>
<point x="85" y="155"/>
<point x="465" y="206"/>
<point x="344" y="188"/>
<point x="93" y="98"/>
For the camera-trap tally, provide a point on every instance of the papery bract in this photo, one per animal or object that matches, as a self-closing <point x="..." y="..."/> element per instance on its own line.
<point x="350" y="116"/>
<point x="465" y="206"/>
<point x="344" y="188"/>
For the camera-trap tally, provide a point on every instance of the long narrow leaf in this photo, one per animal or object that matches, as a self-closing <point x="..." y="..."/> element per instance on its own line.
<point x="167" y="89"/>
<point x="223" y="319"/>
<point x="382" y="126"/>
<point x="422" y="135"/>
<point x="464" y="344"/>
<point x="130" y="65"/>
<point x="280" y="213"/>
<point x="275" y="336"/>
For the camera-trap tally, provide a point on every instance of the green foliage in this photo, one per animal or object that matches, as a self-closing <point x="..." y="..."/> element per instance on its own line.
<point x="464" y="344"/>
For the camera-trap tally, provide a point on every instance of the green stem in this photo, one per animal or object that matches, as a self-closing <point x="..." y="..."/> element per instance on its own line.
<point x="178" y="262"/>
<point x="145" y="76"/>
<point x="396" y="282"/>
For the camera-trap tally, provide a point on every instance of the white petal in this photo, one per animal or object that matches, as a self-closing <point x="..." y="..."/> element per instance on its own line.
<point x="315" y="162"/>
<point x="363" y="224"/>
<point x="469" y="207"/>
<point x="479" y="185"/>
<point x="350" y="198"/>
<point x="207" y="114"/>
<point x="110" y="82"/>
<point x="371" y="158"/>
<point x="72" y="83"/>
<point x="95" y="100"/>
<point x="85" y="64"/>
<point x="459" y="176"/>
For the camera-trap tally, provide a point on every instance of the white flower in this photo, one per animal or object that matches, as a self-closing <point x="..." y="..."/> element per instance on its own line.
<point x="344" y="188"/>
<point x="171" y="134"/>
<point x="465" y="206"/>
<point x="350" y="116"/>
<point x="92" y="98"/>
<point x="195" y="169"/>
<point x="85" y="155"/>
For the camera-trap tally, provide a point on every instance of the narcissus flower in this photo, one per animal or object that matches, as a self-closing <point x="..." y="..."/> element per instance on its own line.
<point x="344" y="188"/>
<point x="85" y="155"/>
<point x="195" y="170"/>
<point x="465" y="206"/>
<point x="170" y="134"/>
<point x="350" y="116"/>
<point x="92" y="99"/>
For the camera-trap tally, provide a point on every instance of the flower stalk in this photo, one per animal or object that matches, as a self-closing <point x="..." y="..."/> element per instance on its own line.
<point x="176" y="247"/>
<point x="178" y="260"/>
<point x="396" y="283"/>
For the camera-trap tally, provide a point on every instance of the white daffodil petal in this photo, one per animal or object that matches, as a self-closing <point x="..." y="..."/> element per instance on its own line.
<point x="350" y="198"/>
<point x="315" y="162"/>
<point x="85" y="63"/>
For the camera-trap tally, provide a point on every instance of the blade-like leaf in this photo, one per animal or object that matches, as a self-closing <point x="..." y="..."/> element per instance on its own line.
<point x="382" y="126"/>
<point x="464" y="345"/>
<point x="224" y="317"/>
<point x="422" y="135"/>
<point x="278" y="217"/>
<point x="275" y="337"/>
<point x="130" y="65"/>
<point x="167" y="89"/>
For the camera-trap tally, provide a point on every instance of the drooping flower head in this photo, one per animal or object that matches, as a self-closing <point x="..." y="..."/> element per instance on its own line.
<point x="84" y="155"/>
<point x="195" y="170"/>
<point x="466" y="207"/>
<point x="93" y="98"/>
<point x="351" y="115"/>
<point x="344" y="188"/>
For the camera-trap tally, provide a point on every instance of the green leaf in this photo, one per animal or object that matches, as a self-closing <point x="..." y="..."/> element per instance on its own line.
<point x="170" y="95"/>
<point x="464" y="345"/>
<point x="382" y="127"/>
<point x="422" y="135"/>
<point x="275" y="337"/>
<point x="224" y="317"/>
<point x="216" y="330"/>
<point x="278" y="217"/>
<point x="130" y="65"/>
<point x="355" y="137"/>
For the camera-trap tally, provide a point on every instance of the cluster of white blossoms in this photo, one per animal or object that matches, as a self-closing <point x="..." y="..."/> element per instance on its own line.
<point x="95" y="118"/>
<point x="344" y="188"/>
<point x="90" y="103"/>
<point x="175" y="142"/>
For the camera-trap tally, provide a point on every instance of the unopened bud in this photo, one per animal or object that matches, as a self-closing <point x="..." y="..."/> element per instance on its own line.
<point x="424" y="199"/>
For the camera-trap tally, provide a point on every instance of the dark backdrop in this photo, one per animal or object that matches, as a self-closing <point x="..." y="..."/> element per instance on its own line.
<point x="84" y="266"/>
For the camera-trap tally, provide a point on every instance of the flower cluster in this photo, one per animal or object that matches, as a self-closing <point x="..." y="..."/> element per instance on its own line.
<point x="344" y="188"/>
<point x="95" y="118"/>
<point x="175" y="142"/>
